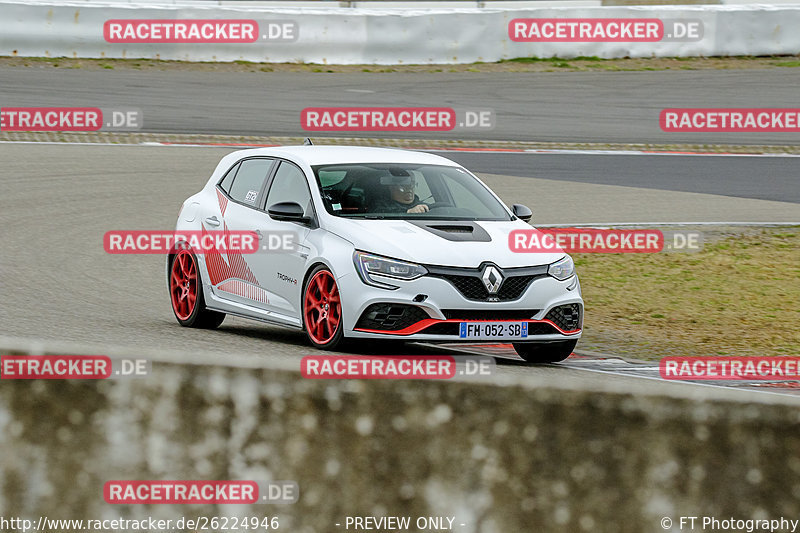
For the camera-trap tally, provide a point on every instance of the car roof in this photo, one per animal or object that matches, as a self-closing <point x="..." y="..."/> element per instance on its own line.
<point x="323" y="155"/>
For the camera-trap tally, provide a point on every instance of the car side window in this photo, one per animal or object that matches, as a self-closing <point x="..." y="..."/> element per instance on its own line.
<point x="289" y="185"/>
<point x="226" y="182"/>
<point x="249" y="179"/>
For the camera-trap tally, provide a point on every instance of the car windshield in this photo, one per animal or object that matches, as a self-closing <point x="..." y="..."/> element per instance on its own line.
<point x="402" y="191"/>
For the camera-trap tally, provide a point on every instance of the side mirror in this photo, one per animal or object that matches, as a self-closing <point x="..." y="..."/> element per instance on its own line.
<point x="522" y="212"/>
<point x="288" y="211"/>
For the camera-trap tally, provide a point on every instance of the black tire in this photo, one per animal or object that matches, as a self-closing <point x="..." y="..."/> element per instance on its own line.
<point x="322" y="339"/>
<point x="200" y="317"/>
<point x="550" y="352"/>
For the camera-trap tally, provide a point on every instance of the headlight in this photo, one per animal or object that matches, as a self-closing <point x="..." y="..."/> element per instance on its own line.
<point x="562" y="269"/>
<point x="369" y="265"/>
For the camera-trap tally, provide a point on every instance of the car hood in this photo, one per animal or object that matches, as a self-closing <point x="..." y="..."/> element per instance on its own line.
<point x="410" y="241"/>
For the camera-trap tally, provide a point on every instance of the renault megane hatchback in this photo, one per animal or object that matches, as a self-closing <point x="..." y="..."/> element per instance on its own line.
<point x="371" y="243"/>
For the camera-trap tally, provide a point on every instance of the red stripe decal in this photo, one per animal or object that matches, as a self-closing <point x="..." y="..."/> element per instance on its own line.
<point x="427" y="322"/>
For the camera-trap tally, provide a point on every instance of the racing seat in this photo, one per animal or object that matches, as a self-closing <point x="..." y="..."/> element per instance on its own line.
<point x="375" y="193"/>
<point x="353" y="197"/>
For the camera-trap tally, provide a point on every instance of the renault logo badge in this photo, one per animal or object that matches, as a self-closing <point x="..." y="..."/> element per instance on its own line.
<point x="492" y="279"/>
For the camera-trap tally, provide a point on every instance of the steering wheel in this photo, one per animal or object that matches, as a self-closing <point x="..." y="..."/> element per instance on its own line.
<point x="439" y="205"/>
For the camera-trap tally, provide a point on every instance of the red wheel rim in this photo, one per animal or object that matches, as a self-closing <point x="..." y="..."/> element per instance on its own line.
<point x="183" y="284"/>
<point x="323" y="308"/>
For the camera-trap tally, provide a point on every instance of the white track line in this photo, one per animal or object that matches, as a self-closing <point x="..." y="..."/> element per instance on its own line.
<point x="475" y="151"/>
<point x="662" y="380"/>
<point x="574" y="366"/>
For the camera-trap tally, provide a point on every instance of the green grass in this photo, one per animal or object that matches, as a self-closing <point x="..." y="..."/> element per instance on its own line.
<point x="740" y="295"/>
<point x="539" y="64"/>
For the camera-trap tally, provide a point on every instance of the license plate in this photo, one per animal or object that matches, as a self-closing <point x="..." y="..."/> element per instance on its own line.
<point x="493" y="330"/>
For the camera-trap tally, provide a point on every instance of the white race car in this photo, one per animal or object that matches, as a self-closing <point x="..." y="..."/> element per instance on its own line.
<point x="371" y="243"/>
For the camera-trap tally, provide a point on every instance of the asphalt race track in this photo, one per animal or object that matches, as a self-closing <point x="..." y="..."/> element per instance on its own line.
<point x="765" y="178"/>
<point x="59" y="200"/>
<point x="602" y="107"/>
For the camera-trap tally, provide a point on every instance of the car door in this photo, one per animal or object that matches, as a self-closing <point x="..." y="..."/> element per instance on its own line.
<point x="231" y="274"/>
<point x="283" y="269"/>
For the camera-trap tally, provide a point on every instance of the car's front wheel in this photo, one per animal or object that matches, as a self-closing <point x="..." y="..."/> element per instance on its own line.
<point x="550" y="352"/>
<point x="322" y="309"/>
<point x="186" y="293"/>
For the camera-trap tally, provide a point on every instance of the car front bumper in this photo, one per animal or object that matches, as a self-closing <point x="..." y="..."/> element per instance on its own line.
<point x="552" y="309"/>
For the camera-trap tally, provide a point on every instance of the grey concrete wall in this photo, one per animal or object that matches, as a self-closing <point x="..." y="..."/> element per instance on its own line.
<point x="502" y="457"/>
<point x="419" y="35"/>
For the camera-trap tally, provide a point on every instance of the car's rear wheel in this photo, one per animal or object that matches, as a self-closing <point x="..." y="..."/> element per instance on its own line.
<point x="550" y="352"/>
<point x="322" y="310"/>
<point x="186" y="293"/>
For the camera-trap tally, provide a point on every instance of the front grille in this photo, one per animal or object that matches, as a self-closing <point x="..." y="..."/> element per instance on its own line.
<point x="472" y="287"/>
<point x="488" y="314"/>
<point x="469" y="282"/>
<point x="390" y="317"/>
<point x="513" y="287"/>
<point x="566" y="317"/>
